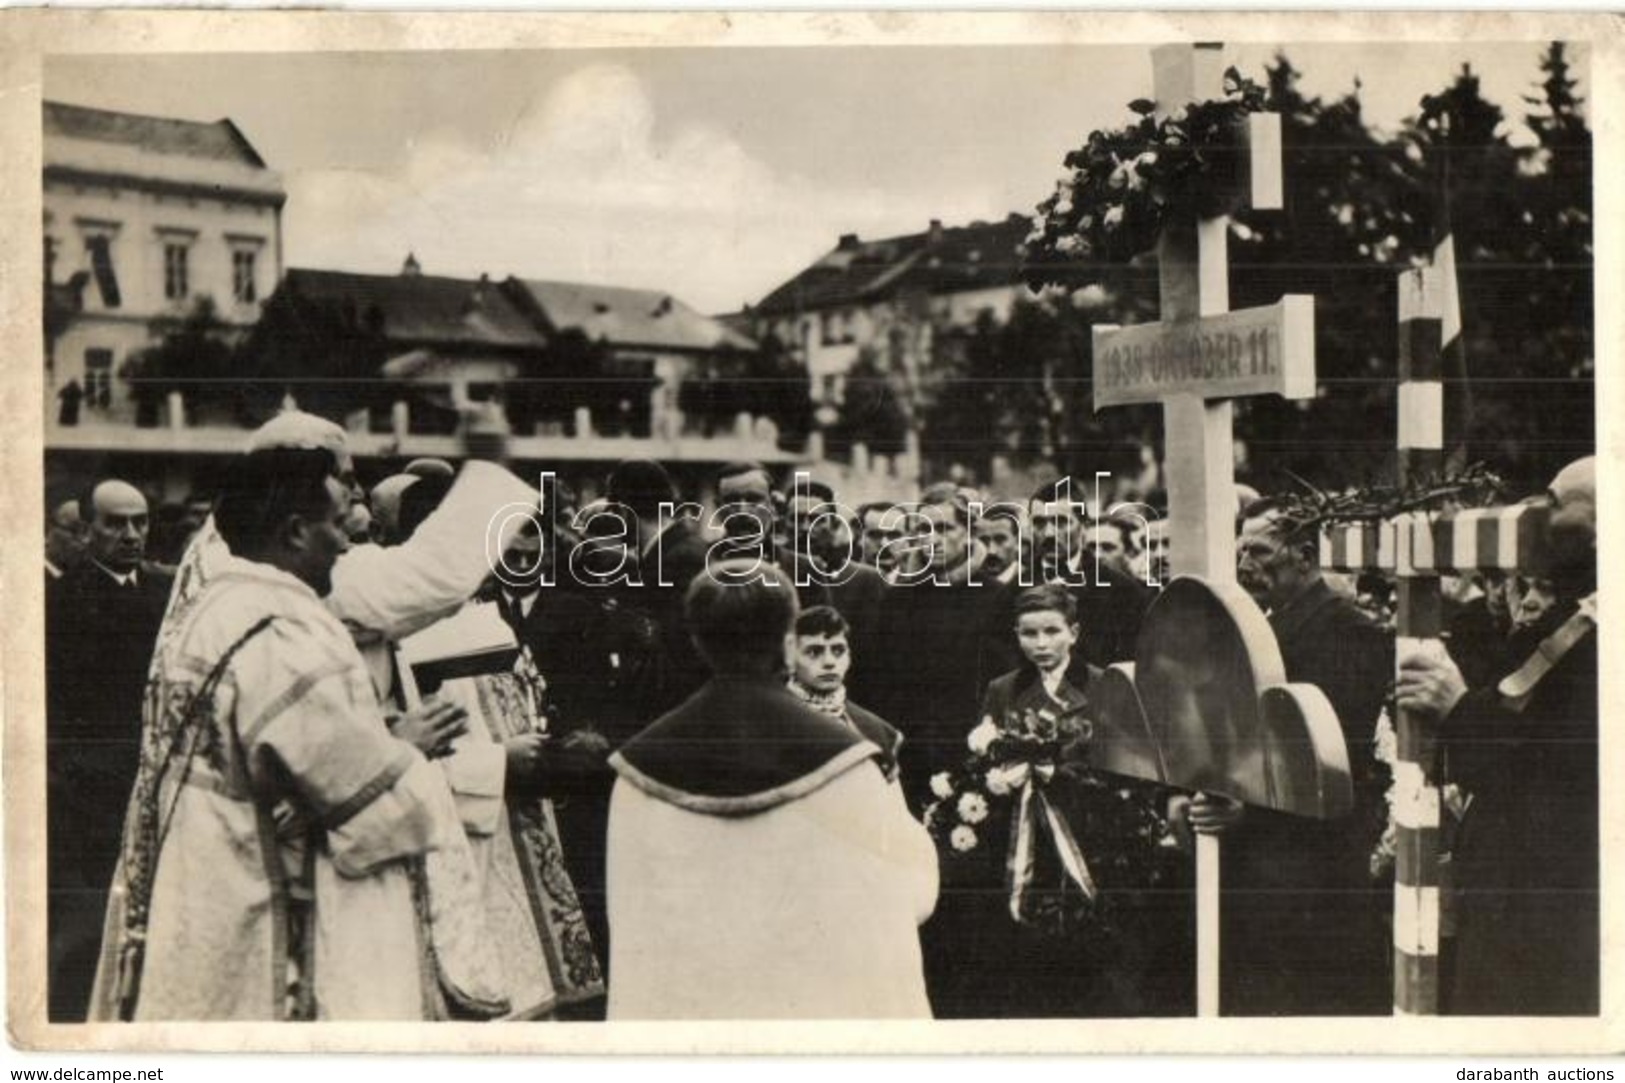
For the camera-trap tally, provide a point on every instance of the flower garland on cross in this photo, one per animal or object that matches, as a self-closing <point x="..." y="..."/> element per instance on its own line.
<point x="1122" y="186"/>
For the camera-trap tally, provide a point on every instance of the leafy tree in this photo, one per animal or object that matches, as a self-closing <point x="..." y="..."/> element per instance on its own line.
<point x="194" y="356"/>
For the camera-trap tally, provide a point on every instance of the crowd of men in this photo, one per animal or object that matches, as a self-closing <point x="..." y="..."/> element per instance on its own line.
<point x="255" y="812"/>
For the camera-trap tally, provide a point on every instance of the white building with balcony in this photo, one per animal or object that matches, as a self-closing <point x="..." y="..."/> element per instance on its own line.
<point x="144" y="216"/>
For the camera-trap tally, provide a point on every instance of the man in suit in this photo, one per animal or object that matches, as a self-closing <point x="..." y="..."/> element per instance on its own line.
<point x="752" y="517"/>
<point x="944" y="633"/>
<point x="1303" y="926"/>
<point x="670" y="552"/>
<point x="102" y="619"/>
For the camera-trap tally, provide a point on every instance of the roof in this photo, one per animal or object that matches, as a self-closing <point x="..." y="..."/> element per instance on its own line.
<point x="628" y="317"/>
<point x="217" y="140"/>
<point x="422" y="308"/>
<point x="956" y="259"/>
<point x="166" y="151"/>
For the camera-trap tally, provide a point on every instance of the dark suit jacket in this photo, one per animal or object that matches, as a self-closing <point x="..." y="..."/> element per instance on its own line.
<point x="1022" y="689"/>
<point x="1303" y="921"/>
<point x="667" y="568"/>
<point x="99" y="638"/>
<point x="859" y="600"/>
<point x="939" y="647"/>
<point x="882" y="733"/>
<point x="1526" y="863"/>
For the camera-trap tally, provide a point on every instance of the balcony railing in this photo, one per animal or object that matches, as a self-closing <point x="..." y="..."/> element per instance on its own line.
<point x="750" y="439"/>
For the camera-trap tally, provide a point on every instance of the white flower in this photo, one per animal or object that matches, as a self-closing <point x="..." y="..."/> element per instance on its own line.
<point x="972" y="808"/>
<point x="1036" y="235"/>
<point x="996" y="782"/>
<point x="1063" y="206"/>
<point x="962" y="838"/>
<point x="1069" y="243"/>
<point x="941" y="786"/>
<point x="1387" y="741"/>
<point x="1112" y="218"/>
<point x="1086" y="222"/>
<point x="982" y="737"/>
<point x="1145" y="159"/>
<point x="1178" y="115"/>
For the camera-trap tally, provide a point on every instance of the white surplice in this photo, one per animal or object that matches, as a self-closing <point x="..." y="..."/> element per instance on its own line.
<point x="288" y="763"/>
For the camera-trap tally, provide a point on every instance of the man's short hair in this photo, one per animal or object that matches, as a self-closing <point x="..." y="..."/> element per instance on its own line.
<point x="822" y="620"/>
<point x="1048" y="598"/>
<point x="738" y="614"/>
<point x="739" y="468"/>
<point x="819" y="491"/>
<point x="946" y="492"/>
<point x="1299" y="536"/>
<point x="85" y="499"/>
<point x="1002" y="510"/>
<point x="1063" y="489"/>
<point x="263" y="489"/>
<point x="881" y="506"/>
<point x="1127" y="529"/>
<point x="641" y="485"/>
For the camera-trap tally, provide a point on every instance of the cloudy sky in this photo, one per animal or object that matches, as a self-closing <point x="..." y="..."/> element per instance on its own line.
<point x="712" y="173"/>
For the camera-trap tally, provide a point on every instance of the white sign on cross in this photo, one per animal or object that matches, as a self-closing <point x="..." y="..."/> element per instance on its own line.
<point x="1197" y="359"/>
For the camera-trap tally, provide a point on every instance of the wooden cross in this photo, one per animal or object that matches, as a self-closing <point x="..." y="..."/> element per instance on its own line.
<point x="1198" y="358"/>
<point x="1417" y="548"/>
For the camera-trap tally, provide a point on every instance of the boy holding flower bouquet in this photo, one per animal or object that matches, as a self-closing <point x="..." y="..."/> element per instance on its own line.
<point x="1043" y="858"/>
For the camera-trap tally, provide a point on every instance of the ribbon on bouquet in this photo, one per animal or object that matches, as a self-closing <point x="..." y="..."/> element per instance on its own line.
<point x="1034" y="814"/>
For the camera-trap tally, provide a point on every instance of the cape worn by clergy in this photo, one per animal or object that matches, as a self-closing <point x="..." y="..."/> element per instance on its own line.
<point x="760" y="866"/>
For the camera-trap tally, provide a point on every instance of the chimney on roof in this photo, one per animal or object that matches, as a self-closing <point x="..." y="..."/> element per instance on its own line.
<point x="411" y="268"/>
<point x="934" y="234"/>
<point x="476" y="299"/>
<point x="848" y="242"/>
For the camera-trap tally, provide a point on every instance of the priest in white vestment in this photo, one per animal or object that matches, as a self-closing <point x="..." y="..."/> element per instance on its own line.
<point x="758" y="865"/>
<point x="267" y="870"/>
<point x="383" y="594"/>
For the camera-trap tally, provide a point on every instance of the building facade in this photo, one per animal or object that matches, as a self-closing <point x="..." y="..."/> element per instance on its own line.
<point x="144" y="217"/>
<point x="669" y="362"/>
<point x="895" y="294"/>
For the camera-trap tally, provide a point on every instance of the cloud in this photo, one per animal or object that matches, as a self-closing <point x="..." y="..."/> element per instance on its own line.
<point x="589" y="183"/>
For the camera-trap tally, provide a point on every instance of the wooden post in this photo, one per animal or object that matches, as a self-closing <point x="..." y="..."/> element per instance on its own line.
<point x="1195" y="361"/>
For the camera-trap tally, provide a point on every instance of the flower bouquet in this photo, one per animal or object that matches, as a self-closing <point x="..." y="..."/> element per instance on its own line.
<point x="1077" y="842"/>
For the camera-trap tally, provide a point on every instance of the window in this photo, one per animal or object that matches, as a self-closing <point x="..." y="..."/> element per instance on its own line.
<point x="242" y="276"/>
<point x="175" y="284"/>
<point x="100" y="249"/>
<point x="98" y="378"/>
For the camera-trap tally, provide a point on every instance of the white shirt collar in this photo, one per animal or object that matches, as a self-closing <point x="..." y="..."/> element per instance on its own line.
<point x="123" y="579"/>
<point x="1053" y="679"/>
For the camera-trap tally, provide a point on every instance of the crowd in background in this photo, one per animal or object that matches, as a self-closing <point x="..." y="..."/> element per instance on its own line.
<point x="925" y="597"/>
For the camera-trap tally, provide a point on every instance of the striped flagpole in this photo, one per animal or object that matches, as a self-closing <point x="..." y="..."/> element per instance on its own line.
<point x="1429" y="317"/>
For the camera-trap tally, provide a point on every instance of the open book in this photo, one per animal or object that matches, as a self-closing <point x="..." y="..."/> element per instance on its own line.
<point x="475" y="640"/>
